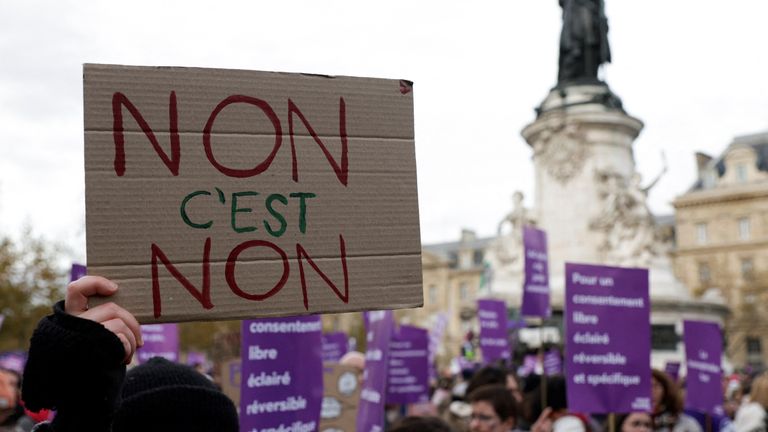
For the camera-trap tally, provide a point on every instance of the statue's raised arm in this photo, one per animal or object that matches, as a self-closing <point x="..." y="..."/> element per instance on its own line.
<point x="583" y="41"/>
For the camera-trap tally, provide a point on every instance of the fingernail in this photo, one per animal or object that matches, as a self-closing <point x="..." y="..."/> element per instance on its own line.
<point x="113" y="285"/>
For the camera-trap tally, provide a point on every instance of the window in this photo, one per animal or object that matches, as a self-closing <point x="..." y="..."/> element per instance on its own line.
<point x="709" y="180"/>
<point x="463" y="291"/>
<point x="478" y="257"/>
<point x="704" y="275"/>
<point x="744" y="228"/>
<point x="432" y="294"/>
<point x="664" y="337"/>
<point x="754" y="346"/>
<point x="747" y="268"/>
<point x="701" y="233"/>
<point x="741" y="173"/>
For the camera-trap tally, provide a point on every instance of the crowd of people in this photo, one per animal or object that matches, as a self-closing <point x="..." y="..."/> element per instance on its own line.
<point x="77" y="367"/>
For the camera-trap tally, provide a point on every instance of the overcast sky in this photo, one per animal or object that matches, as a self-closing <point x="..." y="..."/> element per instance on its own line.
<point x="695" y="72"/>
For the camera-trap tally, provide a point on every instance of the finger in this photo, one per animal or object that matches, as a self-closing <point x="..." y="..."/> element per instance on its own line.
<point x="108" y="311"/>
<point x="126" y="336"/>
<point x="87" y="286"/>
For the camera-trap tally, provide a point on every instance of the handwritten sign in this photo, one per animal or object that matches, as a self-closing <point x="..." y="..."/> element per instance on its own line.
<point x="703" y="351"/>
<point x="608" y="345"/>
<point x="223" y="194"/>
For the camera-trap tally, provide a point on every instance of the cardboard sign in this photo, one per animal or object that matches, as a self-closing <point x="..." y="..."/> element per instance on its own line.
<point x="230" y="375"/>
<point x="282" y="378"/>
<point x="536" y="286"/>
<point x="223" y="194"/>
<point x="340" y="398"/>
<point x="608" y="339"/>
<point x="160" y="340"/>
<point x="703" y="351"/>
<point x="494" y="339"/>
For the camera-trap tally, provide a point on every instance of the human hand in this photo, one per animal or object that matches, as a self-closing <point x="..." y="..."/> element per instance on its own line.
<point x="116" y="319"/>
<point x="544" y="422"/>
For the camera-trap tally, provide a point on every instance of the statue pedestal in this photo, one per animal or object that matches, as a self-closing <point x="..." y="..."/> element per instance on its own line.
<point x="581" y="131"/>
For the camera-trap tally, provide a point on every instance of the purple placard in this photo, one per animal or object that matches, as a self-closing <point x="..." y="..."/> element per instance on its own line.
<point x="553" y="364"/>
<point x="281" y="386"/>
<point x="160" y="340"/>
<point x="494" y="341"/>
<point x="370" y="413"/>
<point x="435" y="339"/>
<point x="536" y="285"/>
<point x="197" y="358"/>
<point x="703" y="350"/>
<point x="672" y="369"/>
<point x="14" y="360"/>
<point x="335" y="345"/>
<point x="608" y="339"/>
<point x="235" y="373"/>
<point x="78" y="271"/>
<point x="408" y="375"/>
<point x="528" y="367"/>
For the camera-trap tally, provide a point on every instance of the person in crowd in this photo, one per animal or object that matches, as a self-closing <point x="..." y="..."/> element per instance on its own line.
<point x="634" y="422"/>
<point x="514" y="386"/>
<point x="493" y="409"/>
<point x="751" y="415"/>
<point x="555" y="415"/>
<point x="486" y="376"/>
<point x="77" y="365"/>
<point x="667" y="401"/>
<point x="12" y="415"/>
<point x="420" y="424"/>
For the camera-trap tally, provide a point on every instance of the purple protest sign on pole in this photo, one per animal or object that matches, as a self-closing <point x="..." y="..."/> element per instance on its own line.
<point x="335" y="345"/>
<point x="494" y="341"/>
<point x="408" y="372"/>
<point x="435" y="338"/>
<point x="536" y="285"/>
<point x="281" y="385"/>
<point x="370" y="412"/>
<point x="673" y="370"/>
<point x="13" y="360"/>
<point x="196" y="358"/>
<point x="608" y="339"/>
<point x="703" y="350"/>
<point x="553" y="364"/>
<point x="78" y="271"/>
<point x="160" y="340"/>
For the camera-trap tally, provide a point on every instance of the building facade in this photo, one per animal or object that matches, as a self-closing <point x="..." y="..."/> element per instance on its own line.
<point x="721" y="227"/>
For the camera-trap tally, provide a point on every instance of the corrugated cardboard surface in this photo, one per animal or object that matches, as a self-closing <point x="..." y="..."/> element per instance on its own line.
<point x="342" y="396"/>
<point x="376" y="212"/>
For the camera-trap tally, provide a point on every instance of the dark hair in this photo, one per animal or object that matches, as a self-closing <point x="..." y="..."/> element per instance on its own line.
<point x="486" y="376"/>
<point x="671" y="400"/>
<point x="499" y="397"/>
<point x="556" y="398"/>
<point x="419" y="424"/>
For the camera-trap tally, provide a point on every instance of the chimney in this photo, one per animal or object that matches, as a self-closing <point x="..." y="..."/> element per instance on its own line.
<point x="467" y="235"/>
<point x="702" y="159"/>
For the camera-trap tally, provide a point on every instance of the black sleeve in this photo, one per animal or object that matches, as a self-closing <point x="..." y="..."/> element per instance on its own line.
<point x="75" y="366"/>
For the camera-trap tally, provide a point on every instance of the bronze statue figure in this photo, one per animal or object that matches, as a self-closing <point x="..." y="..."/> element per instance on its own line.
<point x="583" y="41"/>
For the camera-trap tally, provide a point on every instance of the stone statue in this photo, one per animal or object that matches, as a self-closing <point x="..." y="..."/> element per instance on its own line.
<point x="583" y="41"/>
<point x="509" y="243"/>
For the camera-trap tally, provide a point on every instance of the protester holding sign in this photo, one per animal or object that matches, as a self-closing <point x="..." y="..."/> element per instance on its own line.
<point x="493" y="409"/>
<point x="77" y="361"/>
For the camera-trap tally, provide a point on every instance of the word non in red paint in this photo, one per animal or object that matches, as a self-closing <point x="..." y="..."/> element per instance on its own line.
<point x="173" y="161"/>
<point x="203" y="294"/>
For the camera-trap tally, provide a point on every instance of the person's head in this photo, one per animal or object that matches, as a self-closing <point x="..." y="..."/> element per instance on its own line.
<point x="665" y="395"/>
<point x="420" y="424"/>
<point x="493" y="409"/>
<point x="634" y="422"/>
<point x="556" y="398"/>
<point x="160" y="395"/>
<point x="486" y="376"/>
<point x="759" y="391"/>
